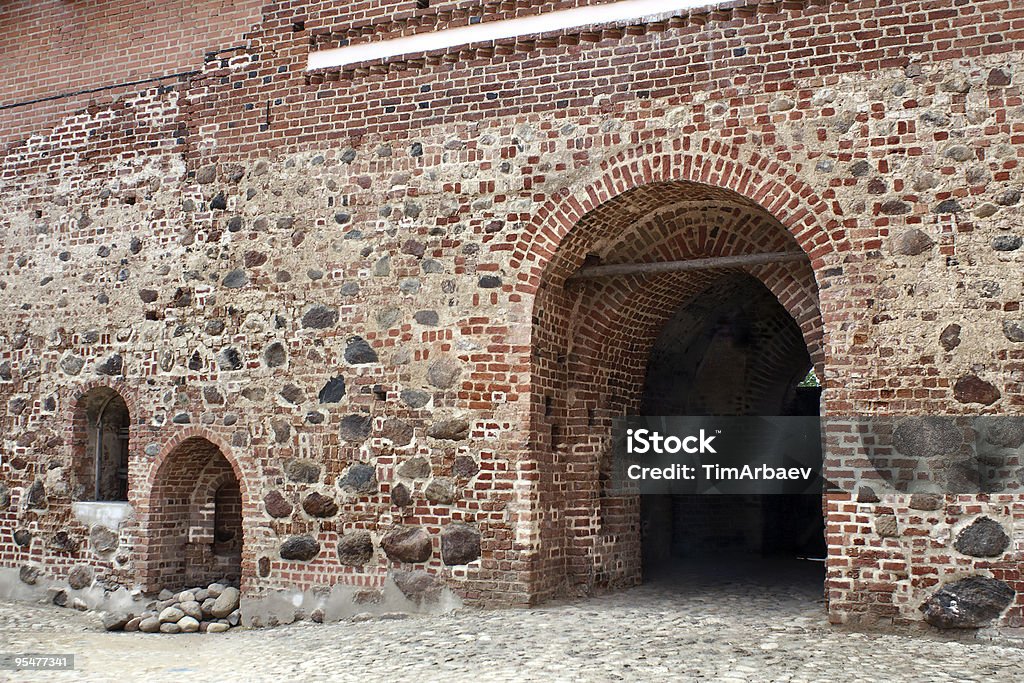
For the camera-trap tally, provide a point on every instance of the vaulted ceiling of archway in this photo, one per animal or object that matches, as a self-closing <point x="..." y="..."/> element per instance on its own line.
<point x="661" y="222"/>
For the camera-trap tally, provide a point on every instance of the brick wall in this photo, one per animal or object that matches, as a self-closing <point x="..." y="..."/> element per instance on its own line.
<point x="55" y="47"/>
<point x="251" y="234"/>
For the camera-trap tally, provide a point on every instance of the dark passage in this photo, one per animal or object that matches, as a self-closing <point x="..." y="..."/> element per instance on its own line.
<point x="732" y="350"/>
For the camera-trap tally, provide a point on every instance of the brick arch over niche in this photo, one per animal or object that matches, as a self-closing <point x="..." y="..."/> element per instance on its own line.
<point x="591" y="339"/>
<point x="196" y="486"/>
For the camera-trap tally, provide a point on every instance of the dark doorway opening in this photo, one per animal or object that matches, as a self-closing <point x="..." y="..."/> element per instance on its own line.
<point x="731" y="350"/>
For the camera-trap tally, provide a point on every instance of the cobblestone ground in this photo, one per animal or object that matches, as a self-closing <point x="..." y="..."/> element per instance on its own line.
<point x="726" y="628"/>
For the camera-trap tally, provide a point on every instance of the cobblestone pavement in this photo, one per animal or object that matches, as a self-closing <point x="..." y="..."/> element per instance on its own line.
<point x="729" y="628"/>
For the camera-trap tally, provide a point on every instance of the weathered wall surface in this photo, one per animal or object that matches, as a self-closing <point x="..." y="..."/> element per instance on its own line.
<point x="52" y="48"/>
<point x="243" y="239"/>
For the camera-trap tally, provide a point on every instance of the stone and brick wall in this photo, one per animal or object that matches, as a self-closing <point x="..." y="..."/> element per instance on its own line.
<point x="350" y="284"/>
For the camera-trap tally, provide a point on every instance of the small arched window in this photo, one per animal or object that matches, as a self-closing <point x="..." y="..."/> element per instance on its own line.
<point x="100" y="446"/>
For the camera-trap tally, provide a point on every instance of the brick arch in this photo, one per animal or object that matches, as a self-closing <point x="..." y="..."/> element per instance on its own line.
<point x="181" y="483"/>
<point x="590" y="341"/>
<point x="766" y="183"/>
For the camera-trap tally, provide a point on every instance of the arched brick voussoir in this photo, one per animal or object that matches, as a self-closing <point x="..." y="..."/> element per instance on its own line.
<point x="767" y="183"/>
<point x="248" y="480"/>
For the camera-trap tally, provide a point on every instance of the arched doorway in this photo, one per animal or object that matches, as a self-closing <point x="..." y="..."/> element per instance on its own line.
<point x="731" y="328"/>
<point x="193" y="528"/>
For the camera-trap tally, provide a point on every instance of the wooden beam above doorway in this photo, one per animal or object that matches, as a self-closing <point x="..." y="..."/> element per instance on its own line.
<point x="712" y="263"/>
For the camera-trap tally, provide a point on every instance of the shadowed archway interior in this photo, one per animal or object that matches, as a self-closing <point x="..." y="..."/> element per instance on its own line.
<point x="194" y="527"/>
<point x="665" y="342"/>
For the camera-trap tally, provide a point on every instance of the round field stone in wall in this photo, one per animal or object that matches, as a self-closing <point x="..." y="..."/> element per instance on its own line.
<point x="969" y="603"/>
<point x="103" y="540"/>
<point x="36" y="496"/>
<point x="925" y="437"/>
<point x="407" y="544"/>
<point x="418" y="586"/>
<point x="985" y="537"/>
<point x="111" y="366"/>
<point x="414" y="468"/>
<point x="414" y="398"/>
<point x="464" y="467"/>
<point x="5" y="497"/>
<point x="1007" y="243"/>
<point x="1005" y="431"/>
<point x="928" y="502"/>
<point x="427" y="317"/>
<point x="29" y="574"/>
<point x="452" y="429"/>
<point x="441" y="491"/>
<point x="399" y="432"/>
<point x="359" y="352"/>
<point x="63" y="542"/>
<point x="275" y="355"/>
<point x="229" y="359"/>
<point x="302" y="470"/>
<point x="276" y="504"/>
<point x="22" y="538"/>
<point x="300" y="548"/>
<point x="80" y="576"/>
<point x="973" y="389"/>
<point x="355" y="428"/>
<point x="319" y="505"/>
<point x="912" y="243"/>
<point x="333" y="391"/>
<point x="443" y="373"/>
<point x="320" y="317"/>
<point x="400" y="495"/>
<point x="235" y="279"/>
<point x="359" y="478"/>
<point x="460" y="544"/>
<point x="1014" y="330"/>
<point x="292" y="394"/>
<point x="886" y="527"/>
<point x="355" y="549"/>
<point x="950" y="337"/>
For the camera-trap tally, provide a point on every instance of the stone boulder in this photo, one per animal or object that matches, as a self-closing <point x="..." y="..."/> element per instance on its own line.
<point x="302" y="548"/>
<point x="355" y="549"/>
<point x="969" y="603"/>
<point x="103" y="540"/>
<point x="276" y="504"/>
<point x="407" y="544"/>
<point x="227" y="602"/>
<point x="319" y="505"/>
<point x="927" y="437"/>
<point x="360" y="478"/>
<point x="115" y="621"/>
<point x="460" y="544"/>
<point x="441" y="491"/>
<point x="985" y="537"/>
<point x="418" y="586"/>
<point x="973" y="389"/>
<point x="80" y="576"/>
<point x="452" y="429"/>
<point x="170" y="615"/>
<point x="414" y="468"/>
<point x="302" y="471"/>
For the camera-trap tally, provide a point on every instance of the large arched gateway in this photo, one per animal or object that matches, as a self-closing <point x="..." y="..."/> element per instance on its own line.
<point x="672" y="298"/>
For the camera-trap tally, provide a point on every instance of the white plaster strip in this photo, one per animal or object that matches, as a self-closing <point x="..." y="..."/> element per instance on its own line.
<point x="638" y="11"/>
